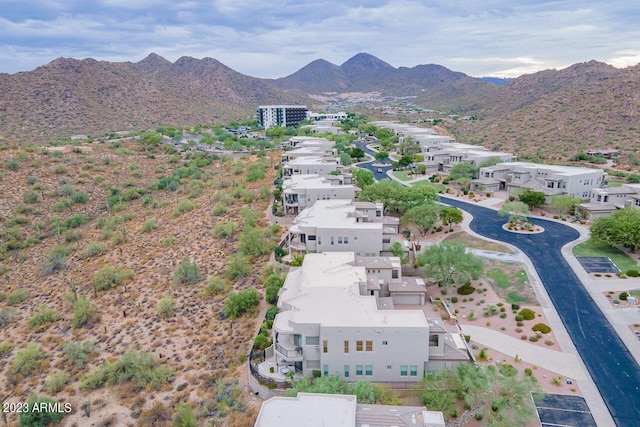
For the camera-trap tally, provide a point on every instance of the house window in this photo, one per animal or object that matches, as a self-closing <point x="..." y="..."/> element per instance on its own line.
<point x="346" y="240"/>
<point x="310" y="237"/>
<point x="403" y="370"/>
<point x="414" y="371"/>
<point x="384" y="342"/>
<point x="368" y="370"/>
<point x="331" y="240"/>
<point x="378" y="213"/>
<point x="312" y="340"/>
<point x="358" y="369"/>
<point x="389" y="367"/>
<point x="339" y="240"/>
<point x="325" y="346"/>
<point x="358" y="345"/>
<point x="346" y="371"/>
<point x="550" y="184"/>
<point x="319" y="240"/>
<point x="346" y="346"/>
<point x="394" y="274"/>
<point x="369" y="345"/>
<point x="433" y="340"/>
<point x="325" y="370"/>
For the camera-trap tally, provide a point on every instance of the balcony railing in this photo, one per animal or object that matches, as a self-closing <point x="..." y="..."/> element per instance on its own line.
<point x="289" y="352"/>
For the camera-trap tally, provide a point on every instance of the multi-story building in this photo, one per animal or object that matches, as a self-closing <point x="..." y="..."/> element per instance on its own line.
<point x="605" y="200"/>
<point x="339" y="410"/>
<point x="302" y="191"/>
<point x="334" y="319"/>
<point x="343" y="225"/>
<point x="441" y="157"/>
<point x="307" y="165"/>
<point x="552" y="180"/>
<point x="335" y="117"/>
<point x="281" y="115"/>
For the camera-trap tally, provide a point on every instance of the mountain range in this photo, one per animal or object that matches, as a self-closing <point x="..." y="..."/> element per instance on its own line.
<point x="552" y="113"/>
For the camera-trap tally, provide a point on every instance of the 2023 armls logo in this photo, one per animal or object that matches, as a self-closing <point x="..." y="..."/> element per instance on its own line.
<point x="24" y="407"/>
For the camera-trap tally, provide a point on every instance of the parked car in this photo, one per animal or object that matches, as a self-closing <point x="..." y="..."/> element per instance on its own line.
<point x="379" y="170"/>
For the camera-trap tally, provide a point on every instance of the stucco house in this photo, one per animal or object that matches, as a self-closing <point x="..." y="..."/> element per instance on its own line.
<point x="302" y="191"/>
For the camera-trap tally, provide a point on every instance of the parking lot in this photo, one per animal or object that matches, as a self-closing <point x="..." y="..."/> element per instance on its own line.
<point x="597" y="264"/>
<point x="556" y="410"/>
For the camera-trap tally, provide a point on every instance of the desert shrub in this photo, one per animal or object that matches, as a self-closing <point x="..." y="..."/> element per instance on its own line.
<point x="139" y="367"/>
<point x="149" y="225"/>
<point x="215" y="285"/>
<point x="256" y="242"/>
<point x="184" y="206"/>
<point x="186" y="273"/>
<point x="77" y="352"/>
<point x="184" y="416"/>
<point x="219" y="209"/>
<point x="632" y="272"/>
<point x="528" y="372"/>
<point x="472" y="315"/>
<point x="515" y="306"/>
<point x="56" y="259"/>
<point x="251" y="216"/>
<point x="272" y="286"/>
<point x="79" y="197"/>
<point x="55" y="382"/>
<point x="519" y="318"/>
<point x="83" y="313"/>
<point x="31" y="197"/>
<point x="11" y="164"/>
<point x="5" y="348"/>
<point x="227" y="229"/>
<point x="36" y="417"/>
<point x="256" y="172"/>
<point x="533" y="338"/>
<point x="43" y="315"/>
<point x="166" y="307"/>
<point x="490" y="310"/>
<point x="478" y="416"/>
<point x="271" y="313"/>
<point x="238" y="303"/>
<point x="466" y="289"/>
<point x="503" y="315"/>
<point x="94" y="249"/>
<point x="66" y="190"/>
<point x="71" y="236"/>
<point x="542" y="328"/>
<point x="527" y="314"/>
<point x="17" y="296"/>
<point x="7" y="316"/>
<point x="168" y="241"/>
<point x="454" y="300"/>
<point x="108" y="277"/>
<point x="623" y="296"/>
<point x="507" y="370"/>
<point x="27" y="360"/>
<point x="76" y="221"/>
<point x="157" y="415"/>
<point x="237" y="266"/>
<point x="59" y="169"/>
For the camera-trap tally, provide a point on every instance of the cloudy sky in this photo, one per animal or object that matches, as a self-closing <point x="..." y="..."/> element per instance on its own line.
<point x="503" y="38"/>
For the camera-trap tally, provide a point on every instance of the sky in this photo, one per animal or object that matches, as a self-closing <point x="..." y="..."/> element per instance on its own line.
<point x="499" y="38"/>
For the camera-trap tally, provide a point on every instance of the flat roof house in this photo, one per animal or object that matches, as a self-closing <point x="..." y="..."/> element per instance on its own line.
<point x="340" y="410"/>
<point x="550" y="179"/>
<point x="441" y="157"/>
<point x="302" y="191"/>
<point x="334" y="319"/>
<point x="343" y="225"/>
<point x="311" y="165"/>
<point x="606" y="200"/>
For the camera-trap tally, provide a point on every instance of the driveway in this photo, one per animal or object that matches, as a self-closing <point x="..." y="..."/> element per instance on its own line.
<point x="611" y="366"/>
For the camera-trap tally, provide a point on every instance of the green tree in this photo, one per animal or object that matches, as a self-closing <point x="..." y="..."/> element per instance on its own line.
<point x="184" y="416"/>
<point x="34" y="417"/>
<point x="633" y="178"/>
<point x="423" y="217"/>
<point x="381" y="156"/>
<point x="363" y="177"/>
<point x="256" y="242"/>
<point x="532" y="198"/>
<point x="397" y="198"/>
<point x="345" y="159"/>
<point x="464" y="182"/>
<point x="450" y="215"/>
<point x="238" y="303"/>
<point x="83" y="313"/>
<point x="405" y="160"/>
<point x="450" y="263"/>
<point x="408" y="146"/>
<point x="516" y="211"/>
<point x="462" y="170"/>
<point x="357" y="153"/>
<point x="149" y="140"/>
<point x="563" y="203"/>
<point x="186" y="273"/>
<point x="621" y="228"/>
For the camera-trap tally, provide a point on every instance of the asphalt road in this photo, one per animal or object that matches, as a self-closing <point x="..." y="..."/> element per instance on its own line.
<point x="612" y="368"/>
<point x="369" y="165"/>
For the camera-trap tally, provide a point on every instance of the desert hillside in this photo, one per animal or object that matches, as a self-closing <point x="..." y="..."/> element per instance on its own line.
<point x="111" y="227"/>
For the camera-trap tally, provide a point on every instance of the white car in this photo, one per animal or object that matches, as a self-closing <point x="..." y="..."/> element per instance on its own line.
<point x="379" y="170"/>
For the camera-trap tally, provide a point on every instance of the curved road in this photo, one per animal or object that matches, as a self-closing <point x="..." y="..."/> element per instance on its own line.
<point x="611" y="366"/>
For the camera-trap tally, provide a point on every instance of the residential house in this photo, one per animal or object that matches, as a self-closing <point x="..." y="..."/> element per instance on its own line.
<point x="331" y="323"/>
<point x="516" y="177"/>
<point x="343" y="225"/>
<point x="302" y="191"/>
<point x="605" y="200"/>
<point x="339" y="410"/>
<point x="441" y="157"/>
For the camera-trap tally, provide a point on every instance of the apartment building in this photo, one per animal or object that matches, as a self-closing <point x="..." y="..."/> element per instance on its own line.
<point x="339" y="410"/>
<point x="306" y="141"/>
<point x="606" y="200"/>
<point x="281" y="115"/>
<point x="515" y="177"/>
<point x="308" y="165"/>
<point x="302" y="191"/>
<point x="343" y="225"/>
<point x="330" y="322"/>
<point x="441" y="157"/>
